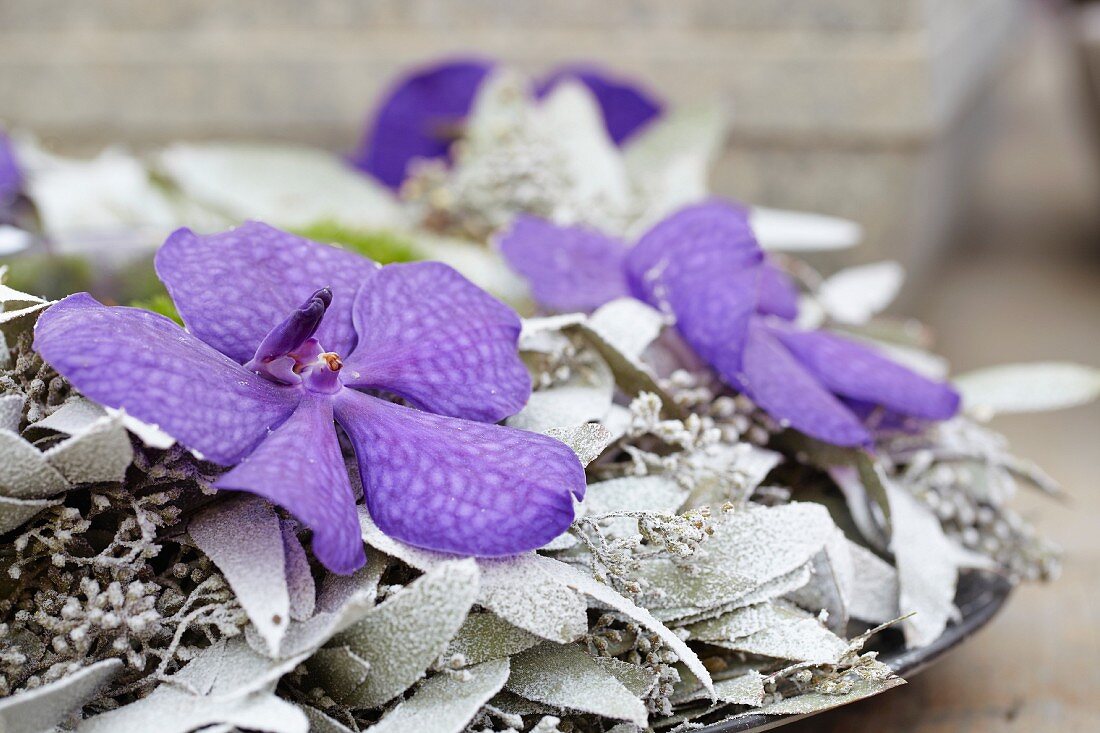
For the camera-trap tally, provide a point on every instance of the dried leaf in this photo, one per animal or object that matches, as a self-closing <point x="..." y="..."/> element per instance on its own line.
<point x="447" y="702"/>
<point x="243" y="537"/>
<point x="588" y="441"/>
<point x="1036" y="387"/>
<point x="44" y="707"/>
<point x="815" y="702"/>
<point x="402" y="636"/>
<point x="565" y="677"/>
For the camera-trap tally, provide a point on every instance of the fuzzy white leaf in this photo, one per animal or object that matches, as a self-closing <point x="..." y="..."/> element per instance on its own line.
<point x="446" y="703"/>
<point x="107" y="206"/>
<point x="628" y="325"/>
<point x="584" y="398"/>
<point x="243" y="537"/>
<point x="485" y="636"/>
<point x="795" y="231"/>
<point x="746" y="689"/>
<point x="669" y="161"/>
<point x="574" y="579"/>
<point x="856" y="294"/>
<point x="570" y="116"/>
<point x="286" y="186"/>
<point x="402" y="636"/>
<point x="40" y="709"/>
<point x="481" y="266"/>
<point x="11" y="412"/>
<point x="926" y="568"/>
<point x="874" y="596"/>
<point x="101" y="452"/>
<point x="1035" y="387"/>
<point x="518" y="589"/>
<point x="24" y="471"/>
<point x="657" y="493"/>
<point x="226" y="683"/>
<point x="565" y="677"/>
<point x="792" y="635"/>
<point x="299" y="578"/>
<point x="341" y="602"/>
<point x="15" y="512"/>
<point x="338" y="671"/>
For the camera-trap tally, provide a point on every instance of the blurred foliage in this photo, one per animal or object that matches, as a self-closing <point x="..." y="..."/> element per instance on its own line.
<point x="160" y="303"/>
<point x="381" y="246"/>
<point x="49" y="275"/>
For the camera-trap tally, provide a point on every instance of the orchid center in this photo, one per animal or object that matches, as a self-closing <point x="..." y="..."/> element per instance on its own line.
<point x="289" y="354"/>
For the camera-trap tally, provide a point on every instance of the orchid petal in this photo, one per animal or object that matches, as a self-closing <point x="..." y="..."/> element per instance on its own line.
<point x="414" y="117"/>
<point x="146" y="364"/>
<point x="791" y="394"/>
<point x="702" y="265"/>
<point x="626" y="106"/>
<point x="232" y="288"/>
<point x="457" y="486"/>
<point x="433" y="337"/>
<point x="855" y="371"/>
<point x="11" y="175"/>
<point x="299" y="467"/>
<point x="569" y="268"/>
<point x="778" y="294"/>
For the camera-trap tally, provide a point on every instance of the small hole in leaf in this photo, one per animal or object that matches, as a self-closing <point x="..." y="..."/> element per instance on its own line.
<point x="276" y="619"/>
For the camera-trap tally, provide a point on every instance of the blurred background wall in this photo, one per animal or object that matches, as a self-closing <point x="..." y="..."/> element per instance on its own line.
<point x="869" y="109"/>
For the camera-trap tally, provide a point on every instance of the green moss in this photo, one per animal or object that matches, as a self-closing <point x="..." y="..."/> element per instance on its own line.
<point x="381" y="246"/>
<point x="159" y="303"/>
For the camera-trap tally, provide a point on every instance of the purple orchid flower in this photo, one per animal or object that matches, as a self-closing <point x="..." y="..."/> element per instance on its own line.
<point x="703" y="266"/>
<point x="11" y="175"/>
<point x="422" y="113"/>
<point x="283" y="336"/>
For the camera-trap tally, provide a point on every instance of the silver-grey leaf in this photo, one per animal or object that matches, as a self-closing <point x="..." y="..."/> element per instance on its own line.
<point x="243" y="537"/>
<point x="401" y="637"/>
<point x="484" y="637"/>
<point x="40" y="709"/>
<point x="446" y="702"/>
<point x="563" y="676"/>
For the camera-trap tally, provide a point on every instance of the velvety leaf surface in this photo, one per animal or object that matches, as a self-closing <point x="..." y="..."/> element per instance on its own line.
<point x="446" y="703"/>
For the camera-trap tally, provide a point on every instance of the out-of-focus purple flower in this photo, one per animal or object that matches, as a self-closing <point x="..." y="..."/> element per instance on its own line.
<point x="423" y="112"/>
<point x="11" y="175"/>
<point x="703" y="266"/>
<point x="283" y="337"/>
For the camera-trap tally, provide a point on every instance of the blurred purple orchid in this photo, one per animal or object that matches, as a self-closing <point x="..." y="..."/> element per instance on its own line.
<point x="703" y="266"/>
<point x="420" y="115"/>
<point x="11" y="177"/>
<point x="283" y="333"/>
